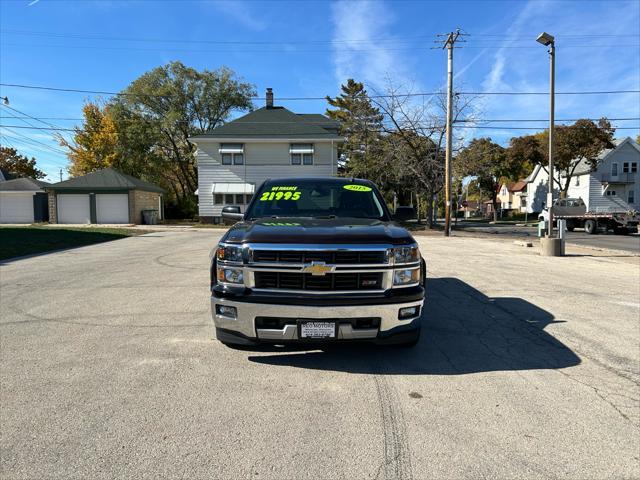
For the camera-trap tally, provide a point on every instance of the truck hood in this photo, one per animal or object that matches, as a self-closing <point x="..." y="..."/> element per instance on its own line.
<point x="318" y="231"/>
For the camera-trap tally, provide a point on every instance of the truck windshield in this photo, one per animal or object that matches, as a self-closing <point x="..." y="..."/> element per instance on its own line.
<point x="316" y="199"/>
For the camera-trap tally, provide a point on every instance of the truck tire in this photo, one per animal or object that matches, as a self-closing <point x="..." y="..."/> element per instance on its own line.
<point x="571" y="226"/>
<point x="591" y="227"/>
<point x="621" y="230"/>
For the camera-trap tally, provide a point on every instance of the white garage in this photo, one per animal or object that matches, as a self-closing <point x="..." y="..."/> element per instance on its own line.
<point x="16" y="207"/>
<point x="74" y="208"/>
<point x="112" y="207"/>
<point x="105" y="197"/>
<point x="23" y="200"/>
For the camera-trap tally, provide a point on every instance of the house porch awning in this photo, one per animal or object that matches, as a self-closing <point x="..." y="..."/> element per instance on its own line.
<point x="233" y="188"/>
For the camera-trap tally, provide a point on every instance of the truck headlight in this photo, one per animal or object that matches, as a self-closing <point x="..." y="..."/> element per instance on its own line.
<point x="408" y="254"/>
<point x="228" y="253"/>
<point x="406" y="276"/>
<point x="230" y="275"/>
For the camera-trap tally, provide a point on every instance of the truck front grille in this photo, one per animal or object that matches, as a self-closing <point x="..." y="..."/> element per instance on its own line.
<point x="330" y="281"/>
<point x="347" y="257"/>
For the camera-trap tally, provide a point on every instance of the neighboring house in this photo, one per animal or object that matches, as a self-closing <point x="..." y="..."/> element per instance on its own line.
<point x="103" y="196"/>
<point x="23" y="200"/>
<point x="513" y="196"/>
<point x="270" y="142"/>
<point x="614" y="185"/>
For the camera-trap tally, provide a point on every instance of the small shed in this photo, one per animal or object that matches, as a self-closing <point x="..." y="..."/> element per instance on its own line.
<point x="104" y="196"/>
<point x="23" y="200"/>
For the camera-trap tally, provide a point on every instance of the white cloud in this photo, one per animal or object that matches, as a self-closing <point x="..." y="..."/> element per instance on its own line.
<point x="370" y="53"/>
<point x="240" y="12"/>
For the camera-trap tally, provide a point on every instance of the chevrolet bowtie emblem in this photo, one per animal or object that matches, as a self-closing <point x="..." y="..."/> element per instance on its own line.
<point x="318" y="268"/>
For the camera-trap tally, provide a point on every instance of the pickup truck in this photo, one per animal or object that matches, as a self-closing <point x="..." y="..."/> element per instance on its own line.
<point x="574" y="211"/>
<point x="317" y="260"/>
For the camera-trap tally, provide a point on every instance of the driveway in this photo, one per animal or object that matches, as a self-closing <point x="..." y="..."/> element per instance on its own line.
<point x="528" y="367"/>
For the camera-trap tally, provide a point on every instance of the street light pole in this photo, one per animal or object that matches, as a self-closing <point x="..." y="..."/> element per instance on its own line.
<point x="549" y="41"/>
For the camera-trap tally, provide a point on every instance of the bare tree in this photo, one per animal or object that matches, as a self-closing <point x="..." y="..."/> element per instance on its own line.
<point x="414" y="126"/>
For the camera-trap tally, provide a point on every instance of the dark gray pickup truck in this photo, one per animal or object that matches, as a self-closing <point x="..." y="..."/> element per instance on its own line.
<point x="316" y="260"/>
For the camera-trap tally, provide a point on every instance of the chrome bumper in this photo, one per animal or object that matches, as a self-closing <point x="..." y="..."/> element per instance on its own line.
<point x="244" y="324"/>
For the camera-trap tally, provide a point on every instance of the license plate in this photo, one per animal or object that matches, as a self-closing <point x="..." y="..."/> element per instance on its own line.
<point x="313" y="330"/>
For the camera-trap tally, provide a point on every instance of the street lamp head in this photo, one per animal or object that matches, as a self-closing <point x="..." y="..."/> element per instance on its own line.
<point x="545" y="39"/>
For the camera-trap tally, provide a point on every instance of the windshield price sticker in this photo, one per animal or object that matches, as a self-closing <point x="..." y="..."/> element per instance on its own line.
<point x="357" y="188"/>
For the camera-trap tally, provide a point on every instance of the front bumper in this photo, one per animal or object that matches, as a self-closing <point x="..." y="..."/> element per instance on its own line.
<point x="242" y="329"/>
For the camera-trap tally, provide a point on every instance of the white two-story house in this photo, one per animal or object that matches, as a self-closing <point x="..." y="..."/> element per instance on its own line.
<point x="271" y="142"/>
<point x="614" y="185"/>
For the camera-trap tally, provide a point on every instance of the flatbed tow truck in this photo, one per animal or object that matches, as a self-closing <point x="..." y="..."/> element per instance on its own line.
<point x="574" y="211"/>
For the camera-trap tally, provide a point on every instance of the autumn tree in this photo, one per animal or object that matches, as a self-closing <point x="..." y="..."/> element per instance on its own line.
<point x="13" y="162"/>
<point x="574" y="145"/>
<point x="95" y="143"/>
<point x="490" y="164"/>
<point x="157" y="115"/>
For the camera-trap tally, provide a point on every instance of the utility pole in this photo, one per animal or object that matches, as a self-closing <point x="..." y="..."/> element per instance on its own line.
<point x="449" y="45"/>
<point x="60" y="174"/>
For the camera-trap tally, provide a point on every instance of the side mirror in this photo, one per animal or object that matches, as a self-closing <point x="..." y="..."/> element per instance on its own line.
<point x="403" y="214"/>
<point x="231" y="214"/>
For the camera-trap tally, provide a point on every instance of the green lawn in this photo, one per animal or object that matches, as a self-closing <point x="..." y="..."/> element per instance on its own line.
<point x="19" y="241"/>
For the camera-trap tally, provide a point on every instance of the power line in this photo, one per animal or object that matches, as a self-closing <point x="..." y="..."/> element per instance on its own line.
<point x="459" y="126"/>
<point x="33" y="140"/>
<point x="421" y="94"/>
<point x="411" y="38"/>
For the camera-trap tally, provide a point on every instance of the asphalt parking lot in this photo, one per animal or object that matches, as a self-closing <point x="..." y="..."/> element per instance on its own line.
<point x="603" y="240"/>
<point x="528" y="367"/>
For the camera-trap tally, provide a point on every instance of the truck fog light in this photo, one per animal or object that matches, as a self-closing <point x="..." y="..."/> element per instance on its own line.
<point x="226" y="311"/>
<point x="408" y="312"/>
<point x="230" y="275"/>
<point x="406" y="276"/>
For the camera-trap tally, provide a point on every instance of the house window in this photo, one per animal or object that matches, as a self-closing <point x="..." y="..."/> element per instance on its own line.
<point x="625" y="167"/>
<point x="232" y="153"/>
<point x="631" y="197"/>
<point x="614" y="169"/>
<point x="634" y="167"/>
<point x="577" y="181"/>
<point x="611" y="193"/>
<point x="301" y="153"/>
<point x="249" y="197"/>
<point x="217" y="199"/>
<point x="239" y="199"/>
<point x="228" y="198"/>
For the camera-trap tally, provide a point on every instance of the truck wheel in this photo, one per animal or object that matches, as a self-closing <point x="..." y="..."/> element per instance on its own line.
<point x="591" y="227"/>
<point x="621" y="230"/>
<point x="570" y="226"/>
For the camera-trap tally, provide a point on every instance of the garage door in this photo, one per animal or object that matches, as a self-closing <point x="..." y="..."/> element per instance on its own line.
<point x="112" y="208"/>
<point x="16" y="208"/>
<point x="74" y="208"/>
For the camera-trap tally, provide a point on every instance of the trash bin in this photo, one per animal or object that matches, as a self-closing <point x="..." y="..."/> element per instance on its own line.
<point x="542" y="228"/>
<point x="150" y="217"/>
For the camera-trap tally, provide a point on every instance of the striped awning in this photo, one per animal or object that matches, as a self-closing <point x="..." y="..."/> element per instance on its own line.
<point x="233" y="188"/>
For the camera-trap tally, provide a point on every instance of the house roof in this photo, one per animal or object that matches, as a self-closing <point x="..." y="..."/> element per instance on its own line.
<point x="583" y="167"/>
<point x="518" y="186"/>
<point x="107" y="179"/>
<point x="277" y="122"/>
<point x="23" y="185"/>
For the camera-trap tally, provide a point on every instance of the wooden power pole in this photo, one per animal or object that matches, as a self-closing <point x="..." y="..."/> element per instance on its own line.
<point x="449" y="44"/>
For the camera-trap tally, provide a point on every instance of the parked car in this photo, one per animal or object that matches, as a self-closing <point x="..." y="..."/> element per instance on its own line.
<point x="317" y="260"/>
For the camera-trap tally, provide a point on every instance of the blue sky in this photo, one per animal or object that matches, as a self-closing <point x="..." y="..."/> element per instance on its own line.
<point x="308" y="48"/>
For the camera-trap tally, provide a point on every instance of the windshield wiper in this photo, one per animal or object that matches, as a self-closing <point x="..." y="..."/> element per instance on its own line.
<point x="324" y="217"/>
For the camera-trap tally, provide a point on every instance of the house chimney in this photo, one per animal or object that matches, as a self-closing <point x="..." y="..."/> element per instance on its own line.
<point x="269" y="97"/>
